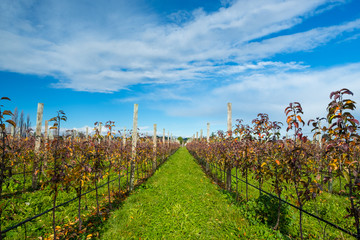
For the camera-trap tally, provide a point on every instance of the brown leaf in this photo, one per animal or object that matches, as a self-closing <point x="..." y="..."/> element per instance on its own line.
<point x="7" y="112"/>
<point x="11" y="122"/>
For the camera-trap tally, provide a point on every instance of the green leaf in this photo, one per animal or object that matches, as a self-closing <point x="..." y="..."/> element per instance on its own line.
<point x="346" y="176"/>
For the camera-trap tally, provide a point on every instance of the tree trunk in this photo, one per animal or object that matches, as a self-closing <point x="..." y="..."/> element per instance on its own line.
<point x="237" y="192"/>
<point x="79" y="208"/>
<point x="34" y="174"/>
<point x="53" y="212"/>
<point x="1" y="209"/>
<point x="300" y="206"/>
<point x="246" y="179"/>
<point x="132" y="175"/>
<point x="108" y="185"/>
<point x="24" y="175"/>
<point x="97" y="198"/>
<point x="119" y="182"/>
<point x="278" y="212"/>
<point x="300" y="222"/>
<point x="228" y="178"/>
<point x="354" y="211"/>
<point x="127" y="177"/>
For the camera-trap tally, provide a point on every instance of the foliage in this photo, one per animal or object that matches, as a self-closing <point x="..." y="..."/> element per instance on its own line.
<point x="265" y="209"/>
<point x="69" y="168"/>
<point x="179" y="202"/>
<point x="296" y="169"/>
<point x="6" y="164"/>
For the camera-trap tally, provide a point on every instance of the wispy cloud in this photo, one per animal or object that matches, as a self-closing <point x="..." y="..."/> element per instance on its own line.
<point x="157" y="95"/>
<point x="106" y="47"/>
<point x="272" y="92"/>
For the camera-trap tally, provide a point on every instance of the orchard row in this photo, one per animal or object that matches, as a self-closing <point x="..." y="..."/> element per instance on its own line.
<point x="307" y="167"/>
<point x="34" y="179"/>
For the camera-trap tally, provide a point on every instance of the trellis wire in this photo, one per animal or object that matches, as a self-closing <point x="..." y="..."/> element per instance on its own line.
<point x="65" y="203"/>
<point x="294" y="206"/>
<point x="60" y="205"/>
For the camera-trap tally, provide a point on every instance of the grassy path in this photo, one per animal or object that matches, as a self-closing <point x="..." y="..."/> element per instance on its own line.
<point x="179" y="202"/>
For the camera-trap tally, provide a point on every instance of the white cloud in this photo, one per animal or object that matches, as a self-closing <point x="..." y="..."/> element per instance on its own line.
<point x="83" y="129"/>
<point x="262" y="65"/>
<point x="272" y="92"/>
<point x="107" y="47"/>
<point x="157" y="95"/>
<point x="143" y="128"/>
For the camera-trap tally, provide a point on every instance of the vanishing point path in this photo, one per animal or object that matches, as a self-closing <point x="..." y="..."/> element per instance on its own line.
<point x="178" y="202"/>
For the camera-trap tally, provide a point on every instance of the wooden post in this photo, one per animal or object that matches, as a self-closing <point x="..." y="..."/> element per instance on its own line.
<point x="201" y="134"/>
<point x="229" y="127"/>
<point x="208" y="133"/>
<point x="133" y="148"/>
<point x="39" y="117"/>
<point x="51" y="134"/>
<point x="124" y="137"/>
<point x="164" y="136"/>
<point x="228" y="165"/>
<point x="46" y="139"/>
<point x="12" y="131"/>
<point x="100" y="127"/>
<point x="154" y="148"/>
<point x="87" y="133"/>
<point x="168" y="138"/>
<point x="46" y="131"/>
<point x="197" y="136"/>
<point x="320" y="135"/>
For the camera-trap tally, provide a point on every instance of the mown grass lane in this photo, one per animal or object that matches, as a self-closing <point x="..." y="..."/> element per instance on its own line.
<point x="180" y="202"/>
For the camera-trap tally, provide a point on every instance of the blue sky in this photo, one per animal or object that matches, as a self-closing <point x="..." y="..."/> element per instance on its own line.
<point x="180" y="60"/>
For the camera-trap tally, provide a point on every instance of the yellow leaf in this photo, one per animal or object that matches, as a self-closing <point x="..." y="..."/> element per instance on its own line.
<point x="299" y="118"/>
<point x="264" y="163"/>
<point x="288" y="119"/>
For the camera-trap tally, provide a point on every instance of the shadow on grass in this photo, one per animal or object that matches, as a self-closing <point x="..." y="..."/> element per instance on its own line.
<point x="258" y="210"/>
<point x="93" y="223"/>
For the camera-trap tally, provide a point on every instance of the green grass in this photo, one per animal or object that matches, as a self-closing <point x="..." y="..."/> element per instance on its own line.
<point x="180" y="202"/>
<point x="31" y="203"/>
<point x="331" y="207"/>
